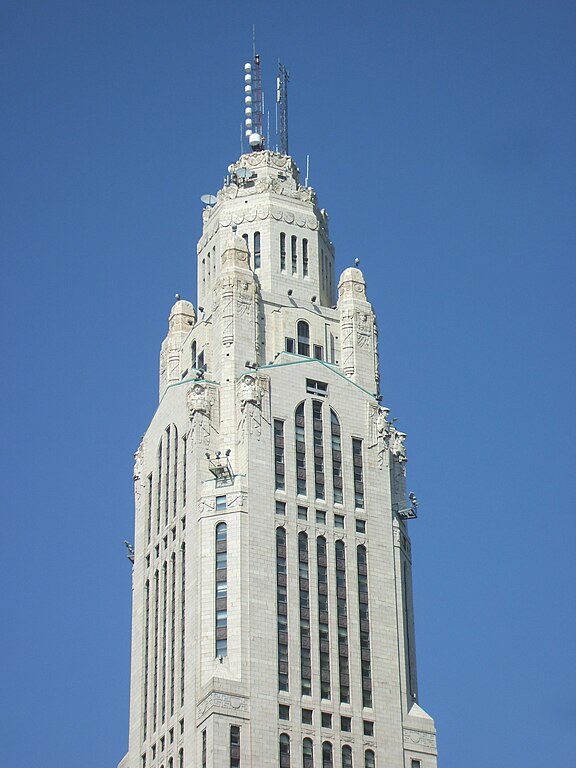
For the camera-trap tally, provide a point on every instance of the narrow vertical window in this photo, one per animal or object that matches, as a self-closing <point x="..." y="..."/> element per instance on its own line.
<point x="181" y="759"/>
<point x="294" y="254"/>
<point x="201" y="360"/>
<point x="184" y="468"/>
<point x="407" y="627"/>
<point x="234" y="746"/>
<point x="159" y="488"/>
<point x="347" y="757"/>
<point x="282" y="252"/>
<point x="336" y="445"/>
<point x="167" y="435"/>
<point x="221" y="577"/>
<point x="303" y="332"/>
<point x="364" y="623"/>
<point x="279" y="466"/>
<point x="204" y="750"/>
<point x="245" y="238"/>
<point x="175" y="473"/>
<point x="307" y="754"/>
<point x="327" y="759"/>
<point x="284" y="750"/>
<point x="146" y="657"/>
<point x="318" y="437"/>
<point x="149" y="508"/>
<point x="257" y="259"/>
<point x="323" y="618"/>
<point x="304" y="585"/>
<point x="172" y="632"/>
<point x="300" y="450"/>
<point x="156" y="648"/>
<point x="304" y="258"/>
<point x="182" y="621"/>
<point x="282" y="609"/>
<point x="194" y="354"/>
<point x="164" y="640"/>
<point x="358" y="472"/>
<point x="342" y="613"/>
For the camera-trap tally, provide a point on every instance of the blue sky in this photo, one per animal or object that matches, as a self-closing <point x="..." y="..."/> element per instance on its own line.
<point x="442" y="143"/>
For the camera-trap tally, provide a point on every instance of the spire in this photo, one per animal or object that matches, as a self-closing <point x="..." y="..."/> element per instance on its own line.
<point x="253" y="103"/>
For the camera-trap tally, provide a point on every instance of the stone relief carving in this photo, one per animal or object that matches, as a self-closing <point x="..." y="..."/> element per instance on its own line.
<point x="383" y="432"/>
<point x="201" y="399"/>
<point x="251" y="390"/>
<point x="363" y="328"/>
<point x="138" y="460"/>
<point x="245" y="297"/>
<point x="347" y="325"/>
<point x="226" y="701"/>
<point x="422" y="738"/>
<point x="206" y="505"/>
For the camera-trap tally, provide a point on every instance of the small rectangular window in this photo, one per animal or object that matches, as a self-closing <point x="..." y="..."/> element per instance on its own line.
<point x="282" y="252"/>
<point x="415" y="764"/>
<point x="284" y="712"/>
<point x="302" y="513"/>
<point x="220" y="503"/>
<point x="320" y="517"/>
<point x="338" y="521"/>
<point x="326" y="720"/>
<point x="368" y="728"/>
<point x="290" y="344"/>
<point x="318" y="352"/>
<point x="304" y="258"/>
<point x="319" y="388"/>
<point x="257" y="261"/>
<point x="360" y="526"/>
<point x="346" y="724"/>
<point x="294" y="255"/>
<point x="280" y="507"/>
<point x="307" y="716"/>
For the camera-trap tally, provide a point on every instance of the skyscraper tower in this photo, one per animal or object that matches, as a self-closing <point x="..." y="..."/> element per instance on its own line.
<point x="272" y="598"/>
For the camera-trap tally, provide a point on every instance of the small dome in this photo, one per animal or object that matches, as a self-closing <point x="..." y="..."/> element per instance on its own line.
<point x="183" y="307"/>
<point x="182" y="316"/>
<point x="352" y="274"/>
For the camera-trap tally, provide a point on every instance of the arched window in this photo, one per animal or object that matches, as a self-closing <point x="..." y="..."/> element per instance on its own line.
<point x="304" y="258"/>
<point x="170" y="762"/>
<point x="307" y="753"/>
<point x="369" y="759"/>
<point x="327" y="759"/>
<point x="193" y="350"/>
<point x="257" y="259"/>
<point x="336" y="445"/>
<point x="294" y="252"/>
<point x="303" y="331"/>
<point x="347" y="757"/>
<point x="181" y="759"/>
<point x="284" y="750"/>
<point x="221" y="590"/>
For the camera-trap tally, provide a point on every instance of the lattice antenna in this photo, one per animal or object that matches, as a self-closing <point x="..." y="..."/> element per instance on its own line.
<point x="282" y="101"/>
<point x="253" y="104"/>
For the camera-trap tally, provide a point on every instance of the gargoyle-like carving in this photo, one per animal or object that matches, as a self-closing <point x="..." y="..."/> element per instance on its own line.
<point x="250" y="391"/>
<point x="198" y="400"/>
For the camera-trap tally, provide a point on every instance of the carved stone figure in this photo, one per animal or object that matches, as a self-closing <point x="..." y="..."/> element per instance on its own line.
<point x="198" y="400"/>
<point x="397" y="446"/>
<point x="250" y="391"/>
<point x="138" y="459"/>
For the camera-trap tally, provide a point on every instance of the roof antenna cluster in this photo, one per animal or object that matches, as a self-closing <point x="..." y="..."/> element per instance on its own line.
<point x="254" y="102"/>
<point x="282" y="102"/>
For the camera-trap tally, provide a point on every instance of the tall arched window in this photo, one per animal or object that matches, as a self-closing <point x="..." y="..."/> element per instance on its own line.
<point x="327" y="758"/>
<point x="282" y="252"/>
<point x="303" y="331"/>
<point x="336" y="445"/>
<point x="181" y="759"/>
<point x="369" y="759"/>
<point x="304" y="582"/>
<point x="284" y="750"/>
<point x="307" y="753"/>
<point x="194" y="354"/>
<point x="347" y="757"/>
<point x="221" y="588"/>
<point x="304" y="258"/>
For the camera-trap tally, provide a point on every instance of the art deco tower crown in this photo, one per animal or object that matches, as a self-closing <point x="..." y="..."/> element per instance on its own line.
<point x="272" y="614"/>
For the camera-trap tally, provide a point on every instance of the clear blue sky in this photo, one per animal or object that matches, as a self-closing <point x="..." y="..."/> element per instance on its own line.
<point x="442" y="142"/>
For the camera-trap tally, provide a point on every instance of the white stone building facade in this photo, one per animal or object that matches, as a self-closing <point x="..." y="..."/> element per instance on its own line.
<point x="272" y="601"/>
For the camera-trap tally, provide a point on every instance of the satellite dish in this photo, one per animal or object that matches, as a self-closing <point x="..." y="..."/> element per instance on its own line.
<point x="242" y="173"/>
<point x="208" y="199"/>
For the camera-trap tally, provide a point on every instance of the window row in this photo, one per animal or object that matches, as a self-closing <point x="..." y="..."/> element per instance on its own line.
<point x="322" y="632"/>
<point x="162" y="485"/>
<point x="164" y="643"/>
<point x="299" y="262"/>
<point x="172" y="763"/>
<point x="301" y="343"/>
<point x="318" y="464"/>
<point x="319" y="516"/>
<point x="326" y="756"/>
<point x="326" y="720"/>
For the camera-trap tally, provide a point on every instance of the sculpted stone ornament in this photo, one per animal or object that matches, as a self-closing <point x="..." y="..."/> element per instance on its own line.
<point x="250" y="394"/>
<point x="198" y="400"/>
<point x="363" y="329"/>
<point x="138" y="459"/>
<point x="397" y="446"/>
<point x="250" y="391"/>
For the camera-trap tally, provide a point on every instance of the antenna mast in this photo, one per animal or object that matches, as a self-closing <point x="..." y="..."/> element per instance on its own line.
<point x="282" y="101"/>
<point x="253" y="101"/>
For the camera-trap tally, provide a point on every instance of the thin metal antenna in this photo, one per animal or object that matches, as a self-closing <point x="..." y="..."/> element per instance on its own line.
<point x="282" y="102"/>
<point x="268" y="126"/>
<point x="307" y="170"/>
<point x="241" y="141"/>
<point x="253" y="102"/>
